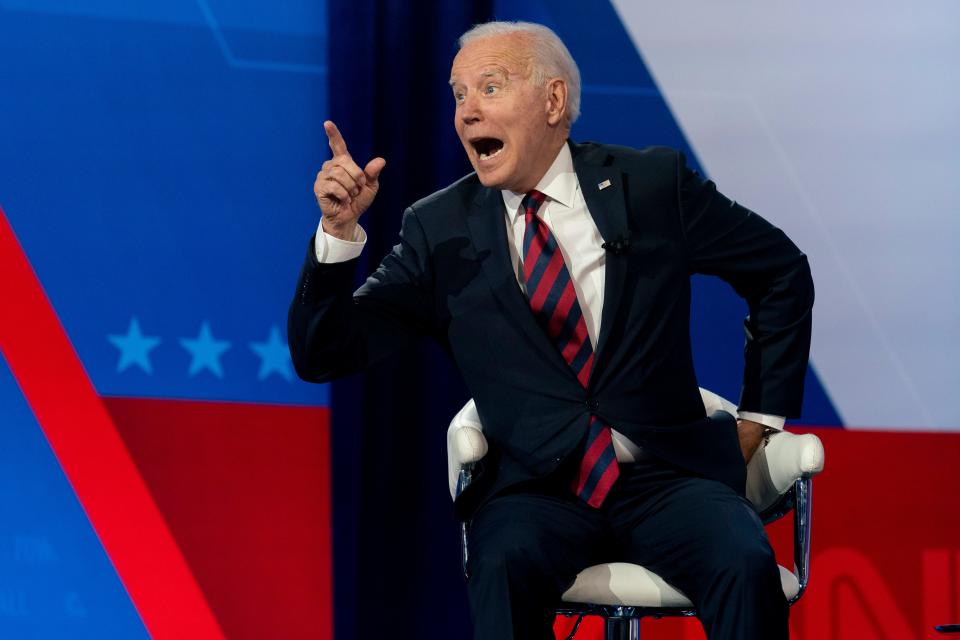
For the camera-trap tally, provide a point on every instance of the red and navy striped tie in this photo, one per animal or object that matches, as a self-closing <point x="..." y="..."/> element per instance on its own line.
<point x="554" y="303"/>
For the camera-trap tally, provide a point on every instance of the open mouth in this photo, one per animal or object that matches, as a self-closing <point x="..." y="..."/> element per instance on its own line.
<point x="487" y="148"/>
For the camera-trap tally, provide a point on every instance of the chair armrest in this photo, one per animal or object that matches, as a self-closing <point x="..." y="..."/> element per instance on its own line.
<point x="778" y="463"/>
<point x="470" y="445"/>
<point x="776" y="466"/>
<point x="465" y="443"/>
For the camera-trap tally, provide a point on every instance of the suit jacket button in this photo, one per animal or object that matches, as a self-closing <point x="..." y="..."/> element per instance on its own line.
<point x="593" y="404"/>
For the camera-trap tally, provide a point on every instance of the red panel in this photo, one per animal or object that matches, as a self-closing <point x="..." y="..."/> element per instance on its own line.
<point x="94" y="459"/>
<point x="886" y="534"/>
<point x="886" y="542"/>
<point x="246" y="491"/>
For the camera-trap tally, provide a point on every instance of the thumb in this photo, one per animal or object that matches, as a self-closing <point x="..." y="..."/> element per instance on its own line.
<point x="373" y="169"/>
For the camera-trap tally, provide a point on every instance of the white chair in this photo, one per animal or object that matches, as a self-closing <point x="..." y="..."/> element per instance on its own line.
<point x="779" y="479"/>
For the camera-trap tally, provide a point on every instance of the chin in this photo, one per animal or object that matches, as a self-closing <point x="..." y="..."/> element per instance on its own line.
<point x="488" y="180"/>
<point x="499" y="178"/>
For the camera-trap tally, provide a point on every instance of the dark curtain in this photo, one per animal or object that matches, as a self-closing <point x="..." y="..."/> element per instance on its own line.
<point x="396" y="553"/>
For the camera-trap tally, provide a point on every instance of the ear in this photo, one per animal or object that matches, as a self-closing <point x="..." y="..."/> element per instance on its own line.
<point x="556" y="101"/>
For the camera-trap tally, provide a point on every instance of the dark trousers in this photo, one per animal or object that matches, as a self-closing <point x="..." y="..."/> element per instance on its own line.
<point x="527" y="546"/>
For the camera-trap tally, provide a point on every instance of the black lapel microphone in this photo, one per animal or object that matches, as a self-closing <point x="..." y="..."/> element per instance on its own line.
<point x="619" y="245"/>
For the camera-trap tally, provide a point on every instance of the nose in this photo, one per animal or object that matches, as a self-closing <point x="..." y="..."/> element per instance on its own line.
<point x="470" y="110"/>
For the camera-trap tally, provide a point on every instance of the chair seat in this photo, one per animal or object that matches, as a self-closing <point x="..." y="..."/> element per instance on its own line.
<point x="624" y="584"/>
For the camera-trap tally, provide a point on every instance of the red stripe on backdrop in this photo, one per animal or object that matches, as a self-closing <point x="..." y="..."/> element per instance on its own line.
<point x="245" y="489"/>
<point x="94" y="458"/>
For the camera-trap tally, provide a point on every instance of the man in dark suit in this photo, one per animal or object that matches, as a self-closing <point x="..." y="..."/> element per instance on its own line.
<point x="557" y="277"/>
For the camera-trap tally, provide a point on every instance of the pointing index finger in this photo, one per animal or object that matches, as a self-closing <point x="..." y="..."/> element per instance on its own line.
<point x="337" y="144"/>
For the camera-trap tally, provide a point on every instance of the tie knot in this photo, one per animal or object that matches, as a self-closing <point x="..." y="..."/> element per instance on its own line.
<point x="531" y="203"/>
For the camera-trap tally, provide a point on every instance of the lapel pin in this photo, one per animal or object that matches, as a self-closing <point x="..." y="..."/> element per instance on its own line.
<point x="603" y="185"/>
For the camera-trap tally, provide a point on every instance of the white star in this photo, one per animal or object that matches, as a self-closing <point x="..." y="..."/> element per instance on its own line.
<point x="134" y="347"/>
<point x="274" y="355"/>
<point x="205" y="351"/>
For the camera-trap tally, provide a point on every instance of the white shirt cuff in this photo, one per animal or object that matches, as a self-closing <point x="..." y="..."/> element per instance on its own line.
<point x="330" y="249"/>
<point x="774" y="422"/>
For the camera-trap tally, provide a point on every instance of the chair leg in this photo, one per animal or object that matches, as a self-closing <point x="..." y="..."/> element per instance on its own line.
<point x="621" y="629"/>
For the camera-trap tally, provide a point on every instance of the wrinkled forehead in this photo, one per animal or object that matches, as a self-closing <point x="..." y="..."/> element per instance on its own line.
<point x="506" y="56"/>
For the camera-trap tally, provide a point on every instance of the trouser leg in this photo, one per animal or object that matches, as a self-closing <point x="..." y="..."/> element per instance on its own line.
<point x="705" y="539"/>
<point x="525" y="551"/>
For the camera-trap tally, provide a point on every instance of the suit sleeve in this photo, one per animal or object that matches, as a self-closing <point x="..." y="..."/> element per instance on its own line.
<point x="333" y="331"/>
<point x="768" y="270"/>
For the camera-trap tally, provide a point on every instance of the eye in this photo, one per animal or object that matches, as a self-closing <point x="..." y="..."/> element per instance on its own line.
<point x="459" y="97"/>
<point x="491" y="89"/>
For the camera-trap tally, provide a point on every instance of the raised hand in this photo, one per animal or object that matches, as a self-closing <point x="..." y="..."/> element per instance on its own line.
<point x="343" y="190"/>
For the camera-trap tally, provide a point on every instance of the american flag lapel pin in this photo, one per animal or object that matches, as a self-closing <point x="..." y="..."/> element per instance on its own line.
<point x="603" y="185"/>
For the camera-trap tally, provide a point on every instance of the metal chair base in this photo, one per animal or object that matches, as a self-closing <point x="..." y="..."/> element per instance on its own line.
<point x="621" y="622"/>
<point x="621" y="629"/>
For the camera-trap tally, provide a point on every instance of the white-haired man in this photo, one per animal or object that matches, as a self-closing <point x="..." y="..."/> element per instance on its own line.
<point x="557" y="276"/>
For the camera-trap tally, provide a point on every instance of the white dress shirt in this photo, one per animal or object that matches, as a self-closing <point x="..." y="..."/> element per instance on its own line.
<point x="566" y="215"/>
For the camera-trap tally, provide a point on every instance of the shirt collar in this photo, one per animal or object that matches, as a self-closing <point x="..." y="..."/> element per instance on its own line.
<point x="559" y="183"/>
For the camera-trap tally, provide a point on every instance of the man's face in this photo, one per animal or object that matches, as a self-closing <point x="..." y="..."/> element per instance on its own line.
<point x="509" y="127"/>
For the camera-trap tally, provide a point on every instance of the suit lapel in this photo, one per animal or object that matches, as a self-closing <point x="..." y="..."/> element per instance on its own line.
<point x="489" y="233"/>
<point x="608" y="207"/>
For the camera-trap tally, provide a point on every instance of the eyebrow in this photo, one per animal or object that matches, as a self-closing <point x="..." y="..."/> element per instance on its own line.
<point x="490" y="73"/>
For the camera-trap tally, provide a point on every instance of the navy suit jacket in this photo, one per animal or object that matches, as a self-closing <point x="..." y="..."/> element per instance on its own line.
<point x="450" y="278"/>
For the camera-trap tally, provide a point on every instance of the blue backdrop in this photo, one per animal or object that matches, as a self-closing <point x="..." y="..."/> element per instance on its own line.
<point x="155" y="164"/>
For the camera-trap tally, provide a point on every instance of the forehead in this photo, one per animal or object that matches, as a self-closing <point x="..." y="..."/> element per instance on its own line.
<point x="505" y="54"/>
